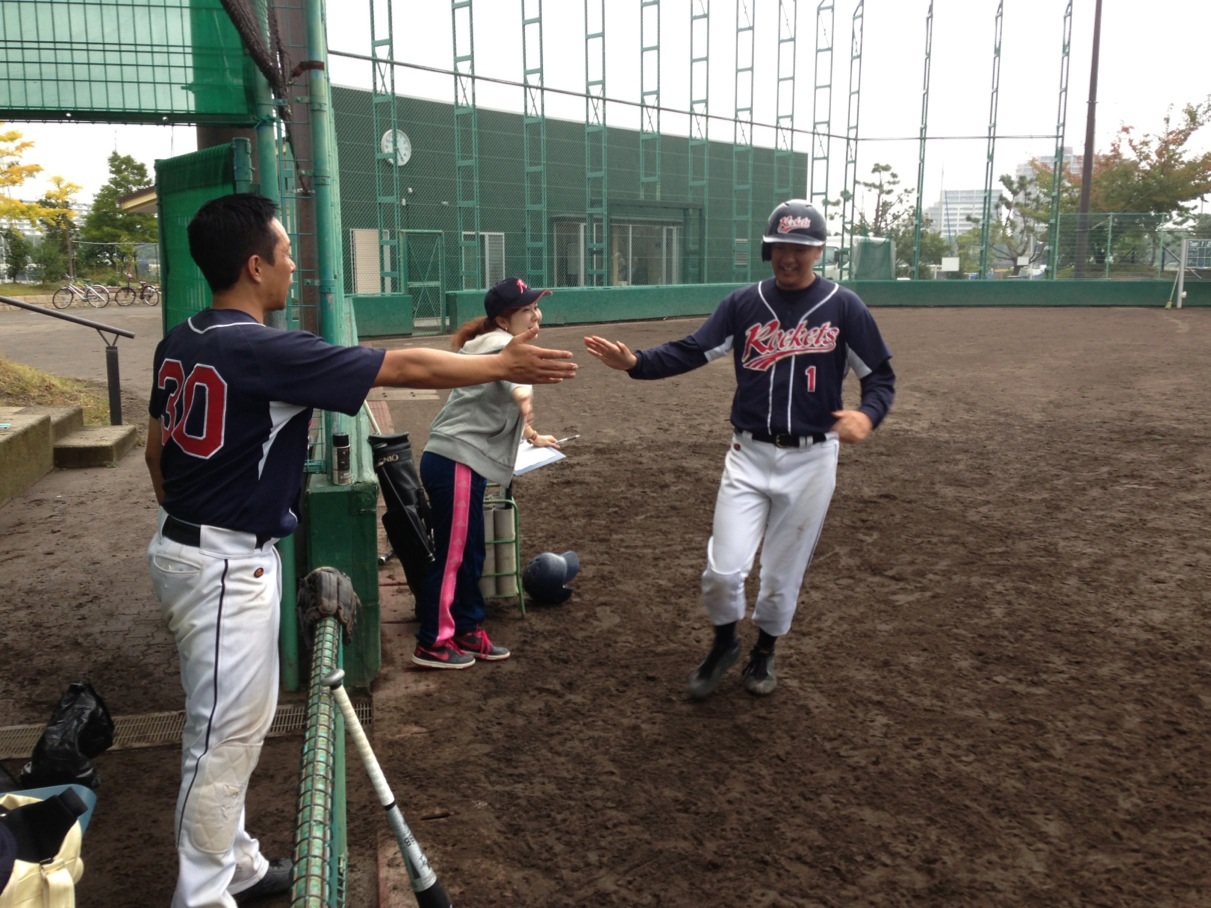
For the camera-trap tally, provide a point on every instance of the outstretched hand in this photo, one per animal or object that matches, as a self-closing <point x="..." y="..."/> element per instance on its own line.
<point x="614" y="354"/>
<point x="528" y="364"/>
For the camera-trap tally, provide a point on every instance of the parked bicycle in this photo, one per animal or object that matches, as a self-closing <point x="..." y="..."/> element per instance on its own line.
<point x="94" y="295"/>
<point x="145" y="292"/>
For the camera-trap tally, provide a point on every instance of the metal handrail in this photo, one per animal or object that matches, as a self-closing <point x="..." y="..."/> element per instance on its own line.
<point x="113" y="383"/>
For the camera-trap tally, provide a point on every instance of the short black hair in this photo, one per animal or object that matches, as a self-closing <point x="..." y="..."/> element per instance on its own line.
<point x="227" y="231"/>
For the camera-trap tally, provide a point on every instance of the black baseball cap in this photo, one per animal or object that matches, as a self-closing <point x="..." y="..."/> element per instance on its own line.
<point x="511" y="293"/>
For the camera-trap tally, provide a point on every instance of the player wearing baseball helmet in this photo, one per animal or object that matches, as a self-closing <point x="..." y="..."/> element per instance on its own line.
<point x="793" y="338"/>
<point x="794" y="221"/>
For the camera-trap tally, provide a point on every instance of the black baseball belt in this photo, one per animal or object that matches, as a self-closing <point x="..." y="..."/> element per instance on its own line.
<point x="784" y="440"/>
<point x="191" y="533"/>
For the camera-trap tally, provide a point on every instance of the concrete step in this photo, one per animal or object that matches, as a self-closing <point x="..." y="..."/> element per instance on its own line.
<point x="63" y="420"/>
<point x="94" y="446"/>
<point x="35" y="440"/>
<point x="26" y="450"/>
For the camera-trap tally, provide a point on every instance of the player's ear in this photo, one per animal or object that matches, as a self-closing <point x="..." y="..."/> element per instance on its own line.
<point x="254" y="266"/>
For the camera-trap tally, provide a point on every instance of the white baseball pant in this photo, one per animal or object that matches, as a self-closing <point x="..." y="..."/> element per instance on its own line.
<point x="221" y="601"/>
<point x="775" y="498"/>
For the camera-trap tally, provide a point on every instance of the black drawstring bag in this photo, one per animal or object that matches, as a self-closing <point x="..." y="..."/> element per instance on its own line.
<point x="406" y="519"/>
<point x="80" y="728"/>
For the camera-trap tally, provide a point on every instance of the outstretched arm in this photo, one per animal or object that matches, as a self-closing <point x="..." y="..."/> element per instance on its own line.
<point x="519" y="362"/>
<point x="614" y="354"/>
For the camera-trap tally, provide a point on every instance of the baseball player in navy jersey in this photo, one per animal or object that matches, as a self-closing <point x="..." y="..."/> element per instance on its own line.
<point x="231" y="403"/>
<point x="792" y="340"/>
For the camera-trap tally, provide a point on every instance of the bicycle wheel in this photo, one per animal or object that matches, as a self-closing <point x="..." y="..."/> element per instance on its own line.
<point x="98" y="296"/>
<point x="124" y="296"/>
<point x="62" y="298"/>
<point x="151" y="295"/>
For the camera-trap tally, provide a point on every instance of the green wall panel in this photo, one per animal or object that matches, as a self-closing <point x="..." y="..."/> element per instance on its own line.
<point x="342" y="532"/>
<point x="382" y="315"/>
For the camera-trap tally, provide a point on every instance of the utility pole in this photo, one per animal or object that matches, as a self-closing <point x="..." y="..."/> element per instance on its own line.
<point x="1082" y="224"/>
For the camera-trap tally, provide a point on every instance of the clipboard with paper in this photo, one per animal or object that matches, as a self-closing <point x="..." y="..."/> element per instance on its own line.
<point x="531" y="458"/>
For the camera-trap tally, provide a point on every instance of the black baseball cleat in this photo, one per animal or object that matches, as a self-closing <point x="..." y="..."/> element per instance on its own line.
<point x="706" y="677"/>
<point x="275" y="881"/>
<point x="758" y="675"/>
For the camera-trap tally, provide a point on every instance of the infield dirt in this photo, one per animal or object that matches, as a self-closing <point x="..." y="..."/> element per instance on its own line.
<point x="996" y="692"/>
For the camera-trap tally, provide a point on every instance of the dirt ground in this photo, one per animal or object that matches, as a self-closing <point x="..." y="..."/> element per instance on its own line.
<point x="996" y="692"/>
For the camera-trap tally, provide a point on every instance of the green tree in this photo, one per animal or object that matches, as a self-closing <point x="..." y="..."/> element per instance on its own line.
<point x="894" y="205"/>
<point x="967" y="244"/>
<point x="109" y="234"/>
<point x="1155" y="173"/>
<point x="1146" y="183"/>
<point x="1023" y="218"/>
<point x="892" y="215"/>
<point x="55" y="254"/>
<point x="17" y="251"/>
<point x="933" y="248"/>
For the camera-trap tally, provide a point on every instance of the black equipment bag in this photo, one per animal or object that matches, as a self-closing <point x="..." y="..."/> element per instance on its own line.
<point x="406" y="520"/>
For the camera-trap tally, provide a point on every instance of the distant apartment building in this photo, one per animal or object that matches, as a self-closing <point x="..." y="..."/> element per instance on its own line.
<point x="1072" y="163"/>
<point x="956" y="212"/>
<point x="960" y="210"/>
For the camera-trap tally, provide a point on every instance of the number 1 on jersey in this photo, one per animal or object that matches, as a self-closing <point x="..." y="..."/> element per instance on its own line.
<point x="810" y="372"/>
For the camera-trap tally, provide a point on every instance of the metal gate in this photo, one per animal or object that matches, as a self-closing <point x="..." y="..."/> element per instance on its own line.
<point x="426" y="256"/>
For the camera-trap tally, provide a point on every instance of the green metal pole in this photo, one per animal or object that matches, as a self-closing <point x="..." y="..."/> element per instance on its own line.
<point x="267" y="180"/>
<point x="335" y="319"/>
<point x="335" y="324"/>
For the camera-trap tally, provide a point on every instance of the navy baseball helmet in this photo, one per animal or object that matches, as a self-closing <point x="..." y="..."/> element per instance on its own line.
<point x="546" y="576"/>
<point x="794" y="221"/>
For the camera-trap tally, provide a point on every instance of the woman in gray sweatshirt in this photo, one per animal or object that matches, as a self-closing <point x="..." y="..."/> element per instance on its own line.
<point x="473" y="441"/>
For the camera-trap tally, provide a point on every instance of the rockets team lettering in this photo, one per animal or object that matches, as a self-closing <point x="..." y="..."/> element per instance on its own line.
<point x="767" y="344"/>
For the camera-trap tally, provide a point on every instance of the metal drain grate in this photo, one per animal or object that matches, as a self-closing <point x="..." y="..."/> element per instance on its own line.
<point x="158" y="729"/>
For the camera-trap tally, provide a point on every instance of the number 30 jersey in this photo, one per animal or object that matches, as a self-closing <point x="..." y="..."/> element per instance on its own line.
<point x="234" y="399"/>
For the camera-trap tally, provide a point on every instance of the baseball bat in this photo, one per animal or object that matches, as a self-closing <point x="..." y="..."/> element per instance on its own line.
<point x="425" y="885"/>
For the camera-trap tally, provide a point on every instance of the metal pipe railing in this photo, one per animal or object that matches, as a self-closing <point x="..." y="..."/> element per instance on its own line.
<point x="113" y="382"/>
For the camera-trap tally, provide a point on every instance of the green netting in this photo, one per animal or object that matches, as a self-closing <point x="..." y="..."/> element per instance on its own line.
<point x="182" y="185"/>
<point x="160" y="61"/>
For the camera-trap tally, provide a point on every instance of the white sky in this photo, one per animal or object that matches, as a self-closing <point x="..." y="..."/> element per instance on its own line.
<point x="1152" y="57"/>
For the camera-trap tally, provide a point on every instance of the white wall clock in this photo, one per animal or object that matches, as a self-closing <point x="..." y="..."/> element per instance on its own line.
<point x="397" y="141"/>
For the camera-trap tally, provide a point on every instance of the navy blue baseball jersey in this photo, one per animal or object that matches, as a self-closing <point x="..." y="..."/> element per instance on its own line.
<point x="792" y="350"/>
<point x="234" y="399"/>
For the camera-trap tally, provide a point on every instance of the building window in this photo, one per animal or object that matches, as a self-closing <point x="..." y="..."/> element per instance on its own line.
<point x="492" y="249"/>
<point x="644" y="252"/>
<point x="740" y="249"/>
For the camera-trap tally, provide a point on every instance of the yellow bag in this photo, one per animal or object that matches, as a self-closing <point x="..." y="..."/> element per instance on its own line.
<point x="50" y="884"/>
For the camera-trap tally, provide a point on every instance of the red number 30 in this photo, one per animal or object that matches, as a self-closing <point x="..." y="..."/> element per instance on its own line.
<point x="203" y="388"/>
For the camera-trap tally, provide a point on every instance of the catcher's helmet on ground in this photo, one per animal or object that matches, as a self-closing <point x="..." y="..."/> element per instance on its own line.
<point x="545" y="577"/>
<point x="794" y="221"/>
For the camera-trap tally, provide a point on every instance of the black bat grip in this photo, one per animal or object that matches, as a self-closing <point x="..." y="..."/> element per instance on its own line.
<point x="433" y="897"/>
